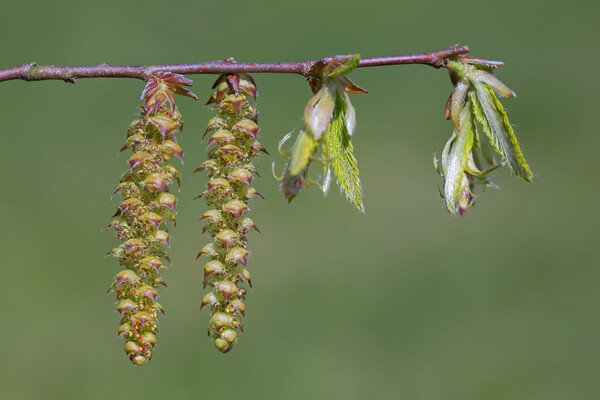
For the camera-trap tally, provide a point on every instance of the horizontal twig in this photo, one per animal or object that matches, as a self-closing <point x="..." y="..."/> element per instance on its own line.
<point x="34" y="72"/>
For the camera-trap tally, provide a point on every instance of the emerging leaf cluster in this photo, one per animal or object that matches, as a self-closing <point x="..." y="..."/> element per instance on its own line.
<point x="329" y="123"/>
<point x="480" y="124"/>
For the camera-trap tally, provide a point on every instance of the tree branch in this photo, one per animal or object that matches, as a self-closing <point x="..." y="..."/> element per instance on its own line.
<point x="34" y="72"/>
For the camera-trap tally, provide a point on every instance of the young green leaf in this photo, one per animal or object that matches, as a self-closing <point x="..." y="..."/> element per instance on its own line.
<point x="341" y="153"/>
<point x="457" y="161"/>
<point x="491" y="115"/>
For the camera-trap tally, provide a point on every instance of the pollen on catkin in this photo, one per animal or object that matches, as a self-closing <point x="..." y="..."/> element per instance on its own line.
<point x="146" y="208"/>
<point x="232" y="146"/>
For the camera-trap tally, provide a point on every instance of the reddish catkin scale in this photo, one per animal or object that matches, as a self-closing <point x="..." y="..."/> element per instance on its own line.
<point x="143" y="213"/>
<point x="232" y="146"/>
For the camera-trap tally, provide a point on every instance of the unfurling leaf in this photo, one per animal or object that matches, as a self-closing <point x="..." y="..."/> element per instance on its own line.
<point x="456" y="189"/>
<point x="492" y="117"/>
<point x="341" y="154"/>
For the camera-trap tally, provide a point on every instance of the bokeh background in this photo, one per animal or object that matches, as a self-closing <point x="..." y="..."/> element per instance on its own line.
<point x="404" y="302"/>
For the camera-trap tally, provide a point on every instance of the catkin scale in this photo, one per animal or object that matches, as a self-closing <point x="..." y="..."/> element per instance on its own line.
<point x="142" y="215"/>
<point x="232" y="145"/>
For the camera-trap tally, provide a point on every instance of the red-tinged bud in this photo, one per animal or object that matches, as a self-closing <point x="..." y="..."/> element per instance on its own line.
<point x="236" y="102"/>
<point x="124" y="330"/>
<point x="230" y="149"/>
<point x="210" y="250"/>
<point x="214" y="216"/>
<point x="259" y="147"/>
<point x="173" y="148"/>
<point x="237" y="255"/>
<point x="126" y="275"/>
<point x="241" y="175"/>
<point x="116" y="223"/>
<point x="132" y="245"/>
<point x="125" y="306"/>
<point x="210" y="165"/>
<point x="148" y="339"/>
<point x="221" y="320"/>
<point x="217" y="183"/>
<point x="247" y="223"/>
<point x="116" y="252"/>
<point x="160" y="236"/>
<point x="222" y="345"/>
<point x="214" y="124"/>
<point x="235" y="207"/>
<point x="226" y="237"/>
<point x="158" y="307"/>
<point x="239" y="305"/>
<point x="167" y="200"/>
<point x="152" y="218"/>
<point x="147" y="291"/>
<point x="221" y="137"/>
<point x="157" y="180"/>
<point x="130" y="204"/>
<point x="139" y="359"/>
<point x="226" y="288"/>
<point x="141" y="318"/>
<point x="229" y="335"/>
<point x="132" y="348"/>
<point x="164" y="124"/>
<point x="213" y="267"/>
<point x="132" y="142"/>
<point x="152" y="263"/>
<point x="253" y="192"/>
<point x="138" y="158"/>
<point x="248" y="126"/>
<point x="128" y="189"/>
<point x="209" y="299"/>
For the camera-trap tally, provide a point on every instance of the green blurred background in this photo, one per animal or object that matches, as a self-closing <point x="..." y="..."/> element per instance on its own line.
<point x="404" y="302"/>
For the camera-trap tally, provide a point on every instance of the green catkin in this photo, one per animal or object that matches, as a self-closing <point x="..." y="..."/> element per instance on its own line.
<point x="146" y="208"/>
<point x="232" y="146"/>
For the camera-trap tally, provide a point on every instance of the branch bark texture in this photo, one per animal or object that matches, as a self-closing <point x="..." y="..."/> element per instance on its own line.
<point x="35" y="72"/>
